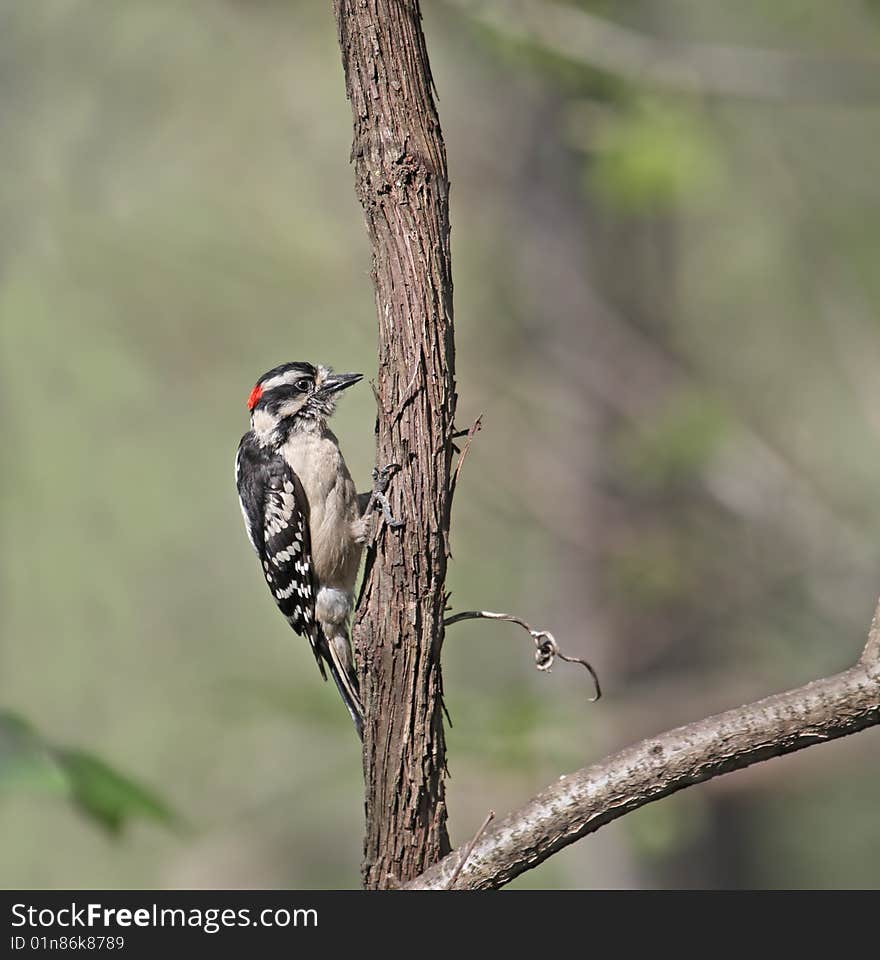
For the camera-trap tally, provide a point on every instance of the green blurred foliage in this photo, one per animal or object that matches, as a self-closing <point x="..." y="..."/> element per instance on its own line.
<point x="25" y="760"/>
<point x="672" y="447"/>
<point x="28" y="761"/>
<point x="106" y="796"/>
<point x="654" y="155"/>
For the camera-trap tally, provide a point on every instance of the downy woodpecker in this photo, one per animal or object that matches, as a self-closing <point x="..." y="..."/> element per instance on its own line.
<point x="302" y="513"/>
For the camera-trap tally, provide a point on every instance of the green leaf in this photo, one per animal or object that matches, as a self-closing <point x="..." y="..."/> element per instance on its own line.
<point x="106" y="796"/>
<point x="29" y="761"/>
<point x="24" y="758"/>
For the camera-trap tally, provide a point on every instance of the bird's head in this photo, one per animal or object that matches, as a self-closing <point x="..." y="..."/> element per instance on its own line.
<point x="295" y="394"/>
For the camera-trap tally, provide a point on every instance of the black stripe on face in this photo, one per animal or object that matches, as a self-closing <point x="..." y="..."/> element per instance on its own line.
<point x="286" y="401"/>
<point x="287" y="374"/>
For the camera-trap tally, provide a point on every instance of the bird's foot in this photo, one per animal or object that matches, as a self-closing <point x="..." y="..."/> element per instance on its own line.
<point x="381" y="482"/>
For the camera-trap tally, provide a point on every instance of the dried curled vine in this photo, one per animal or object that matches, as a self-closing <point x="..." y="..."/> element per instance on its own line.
<point x="546" y="647"/>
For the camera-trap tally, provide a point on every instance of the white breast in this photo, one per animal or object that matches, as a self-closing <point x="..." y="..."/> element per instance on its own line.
<point x="318" y="462"/>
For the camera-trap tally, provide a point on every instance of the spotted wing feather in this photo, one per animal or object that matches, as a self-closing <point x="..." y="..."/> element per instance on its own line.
<point x="276" y="514"/>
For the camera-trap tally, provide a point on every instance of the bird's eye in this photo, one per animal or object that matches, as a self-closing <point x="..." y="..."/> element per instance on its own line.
<point x="303" y="385"/>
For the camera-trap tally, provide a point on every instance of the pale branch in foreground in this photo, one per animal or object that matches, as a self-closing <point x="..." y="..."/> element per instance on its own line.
<point x="870" y="658"/>
<point x="692" y="68"/>
<point x="546" y="647"/>
<point x="581" y="802"/>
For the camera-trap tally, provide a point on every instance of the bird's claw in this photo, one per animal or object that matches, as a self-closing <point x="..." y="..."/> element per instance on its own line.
<point x="381" y="481"/>
<point x="382" y="477"/>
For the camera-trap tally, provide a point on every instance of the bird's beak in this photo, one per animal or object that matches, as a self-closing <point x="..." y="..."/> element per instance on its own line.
<point x="340" y="381"/>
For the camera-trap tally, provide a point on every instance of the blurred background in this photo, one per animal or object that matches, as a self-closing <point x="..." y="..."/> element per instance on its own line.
<point x="666" y="220"/>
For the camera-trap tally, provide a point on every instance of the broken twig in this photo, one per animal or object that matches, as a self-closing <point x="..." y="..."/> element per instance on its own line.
<point x="474" y="430"/>
<point x="490" y="816"/>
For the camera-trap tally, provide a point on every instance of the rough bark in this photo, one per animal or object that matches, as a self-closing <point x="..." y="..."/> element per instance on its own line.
<point x="401" y="181"/>
<point x="580" y="803"/>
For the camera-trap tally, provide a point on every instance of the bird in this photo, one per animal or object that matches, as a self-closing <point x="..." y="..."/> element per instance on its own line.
<point x="302" y="513"/>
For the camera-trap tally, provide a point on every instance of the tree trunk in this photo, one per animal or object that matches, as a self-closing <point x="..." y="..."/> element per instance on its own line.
<point x="401" y="181"/>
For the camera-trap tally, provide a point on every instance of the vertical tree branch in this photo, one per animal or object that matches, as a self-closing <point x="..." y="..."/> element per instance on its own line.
<point x="401" y="181"/>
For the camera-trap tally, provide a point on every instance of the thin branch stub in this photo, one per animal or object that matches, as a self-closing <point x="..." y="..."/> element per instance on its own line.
<point x="474" y="430"/>
<point x="490" y="816"/>
<point x="546" y="647"/>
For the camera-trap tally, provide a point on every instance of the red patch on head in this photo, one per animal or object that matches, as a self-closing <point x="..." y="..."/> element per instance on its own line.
<point x="254" y="398"/>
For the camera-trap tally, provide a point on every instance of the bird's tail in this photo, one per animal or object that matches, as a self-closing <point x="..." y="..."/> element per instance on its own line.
<point x="341" y="663"/>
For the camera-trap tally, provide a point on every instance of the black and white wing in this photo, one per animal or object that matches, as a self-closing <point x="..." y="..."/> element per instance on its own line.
<point x="276" y="516"/>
